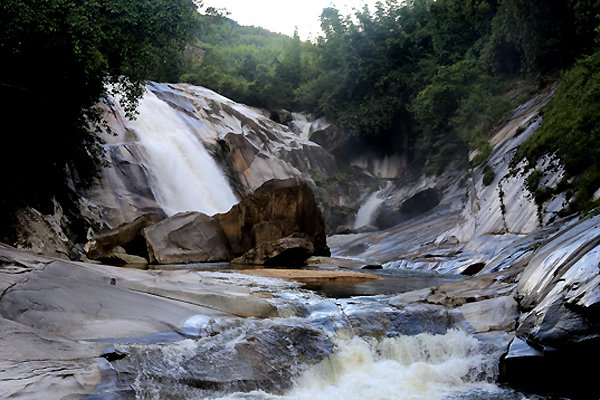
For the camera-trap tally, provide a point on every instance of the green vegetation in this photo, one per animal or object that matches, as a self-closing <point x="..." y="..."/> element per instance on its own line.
<point x="488" y="175"/>
<point x="434" y="76"/>
<point x="248" y="64"/>
<point x="57" y="57"/>
<point x="570" y="131"/>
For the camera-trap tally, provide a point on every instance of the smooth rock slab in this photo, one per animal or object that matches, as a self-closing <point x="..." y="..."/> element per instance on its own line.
<point x="38" y="365"/>
<point x="497" y="314"/>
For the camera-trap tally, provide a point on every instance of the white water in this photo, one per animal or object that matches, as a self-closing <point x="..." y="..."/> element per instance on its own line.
<point x="422" y="367"/>
<point x="365" y="213"/>
<point x="184" y="177"/>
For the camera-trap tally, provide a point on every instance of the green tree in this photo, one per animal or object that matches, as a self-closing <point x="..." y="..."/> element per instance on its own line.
<point x="58" y="57"/>
<point x="538" y="36"/>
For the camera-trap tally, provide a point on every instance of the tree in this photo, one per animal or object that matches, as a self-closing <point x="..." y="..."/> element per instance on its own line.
<point x="57" y="58"/>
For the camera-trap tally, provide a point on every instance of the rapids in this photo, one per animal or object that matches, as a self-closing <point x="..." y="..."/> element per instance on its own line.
<point x="424" y="367"/>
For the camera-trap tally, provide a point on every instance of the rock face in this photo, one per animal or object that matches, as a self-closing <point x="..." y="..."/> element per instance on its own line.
<point x="559" y="328"/>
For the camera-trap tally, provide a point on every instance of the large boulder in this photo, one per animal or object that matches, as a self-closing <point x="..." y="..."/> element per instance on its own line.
<point x="276" y="210"/>
<point x="127" y="238"/>
<point x="187" y="237"/>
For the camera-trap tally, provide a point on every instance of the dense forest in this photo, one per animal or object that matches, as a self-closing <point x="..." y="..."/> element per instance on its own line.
<point x="440" y="74"/>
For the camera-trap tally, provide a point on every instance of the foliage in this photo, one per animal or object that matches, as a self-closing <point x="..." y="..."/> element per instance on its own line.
<point x="488" y="175"/>
<point x="57" y="58"/>
<point x="248" y="64"/>
<point x="571" y="131"/>
<point x="427" y="78"/>
<point x="540" y="35"/>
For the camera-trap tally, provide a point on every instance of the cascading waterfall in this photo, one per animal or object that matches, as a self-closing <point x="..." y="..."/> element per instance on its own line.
<point x="365" y="213"/>
<point x="183" y="175"/>
<point x="423" y="367"/>
<point x="417" y="367"/>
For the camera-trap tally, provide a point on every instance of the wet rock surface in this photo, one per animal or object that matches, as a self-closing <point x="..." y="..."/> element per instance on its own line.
<point x="258" y="356"/>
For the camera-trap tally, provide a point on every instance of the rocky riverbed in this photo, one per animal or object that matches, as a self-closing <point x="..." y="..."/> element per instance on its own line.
<point x="82" y="330"/>
<point x="440" y="287"/>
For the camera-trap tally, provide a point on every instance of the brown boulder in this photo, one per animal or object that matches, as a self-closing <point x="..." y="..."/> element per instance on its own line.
<point x="282" y="252"/>
<point x="278" y="209"/>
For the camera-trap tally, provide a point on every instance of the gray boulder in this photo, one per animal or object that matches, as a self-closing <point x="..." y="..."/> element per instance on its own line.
<point x="187" y="237"/>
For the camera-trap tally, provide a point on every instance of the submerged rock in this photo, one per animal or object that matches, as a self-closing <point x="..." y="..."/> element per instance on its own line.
<point x="245" y="356"/>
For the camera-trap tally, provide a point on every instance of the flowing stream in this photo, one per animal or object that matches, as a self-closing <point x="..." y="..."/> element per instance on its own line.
<point x="318" y="347"/>
<point x="183" y="175"/>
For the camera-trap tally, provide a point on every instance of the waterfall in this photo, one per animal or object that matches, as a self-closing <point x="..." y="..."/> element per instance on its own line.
<point x="366" y="212"/>
<point x="183" y="175"/>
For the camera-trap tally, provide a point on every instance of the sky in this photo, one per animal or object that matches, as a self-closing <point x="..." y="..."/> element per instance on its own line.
<point x="284" y="15"/>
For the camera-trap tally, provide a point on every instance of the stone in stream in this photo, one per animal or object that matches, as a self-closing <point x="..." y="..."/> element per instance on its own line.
<point x="240" y="356"/>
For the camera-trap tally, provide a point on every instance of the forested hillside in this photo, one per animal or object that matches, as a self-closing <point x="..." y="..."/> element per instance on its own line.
<point x="440" y="73"/>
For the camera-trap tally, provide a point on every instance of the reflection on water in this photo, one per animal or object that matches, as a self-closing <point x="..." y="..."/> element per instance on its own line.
<point x="390" y="281"/>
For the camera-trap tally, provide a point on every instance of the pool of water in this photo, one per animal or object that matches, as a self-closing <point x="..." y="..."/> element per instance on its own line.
<point x="390" y="281"/>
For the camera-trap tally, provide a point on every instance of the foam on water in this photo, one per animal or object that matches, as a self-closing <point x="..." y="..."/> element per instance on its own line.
<point x="421" y="367"/>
